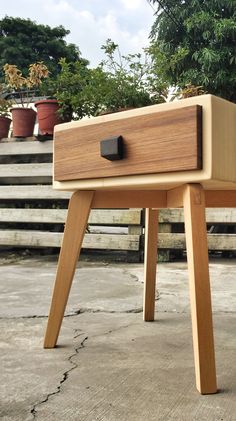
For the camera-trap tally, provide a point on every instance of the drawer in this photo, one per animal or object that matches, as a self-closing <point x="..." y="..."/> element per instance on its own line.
<point x="158" y="142"/>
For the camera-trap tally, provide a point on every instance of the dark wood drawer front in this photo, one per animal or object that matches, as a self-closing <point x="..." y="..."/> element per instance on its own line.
<point x="153" y="143"/>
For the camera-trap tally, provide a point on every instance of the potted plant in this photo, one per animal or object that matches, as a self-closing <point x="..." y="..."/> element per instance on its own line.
<point x="23" y="91"/>
<point x="118" y="83"/>
<point x="48" y="117"/>
<point x="5" y="121"/>
<point x="63" y="93"/>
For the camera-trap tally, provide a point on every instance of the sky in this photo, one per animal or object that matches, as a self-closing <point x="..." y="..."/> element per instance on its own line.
<point x="91" y="22"/>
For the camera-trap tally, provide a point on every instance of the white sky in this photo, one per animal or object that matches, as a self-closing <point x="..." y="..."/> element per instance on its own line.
<point x="91" y="22"/>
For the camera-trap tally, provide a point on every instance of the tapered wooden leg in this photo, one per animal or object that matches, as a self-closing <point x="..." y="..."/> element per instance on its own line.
<point x="77" y="217"/>
<point x="200" y="294"/>
<point x="150" y="264"/>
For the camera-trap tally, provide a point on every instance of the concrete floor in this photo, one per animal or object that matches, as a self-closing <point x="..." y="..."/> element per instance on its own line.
<point x="109" y="364"/>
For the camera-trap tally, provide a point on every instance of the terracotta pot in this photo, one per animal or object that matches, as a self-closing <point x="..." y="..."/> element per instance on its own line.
<point x="23" y="120"/>
<point x="4" y="126"/>
<point x="47" y="115"/>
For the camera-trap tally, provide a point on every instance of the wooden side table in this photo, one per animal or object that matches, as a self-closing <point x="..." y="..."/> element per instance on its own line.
<point x="165" y="156"/>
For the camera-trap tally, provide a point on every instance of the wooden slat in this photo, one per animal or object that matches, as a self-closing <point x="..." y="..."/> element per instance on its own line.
<point x="28" y="192"/>
<point x="214" y="216"/>
<point x="25" y="173"/>
<point x="57" y="216"/>
<point x="31" y="238"/>
<point x="26" y="170"/>
<point x="111" y="216"/>
<point x="215" y="241"/>
<point x="51" y="239"/>
<point x="115" y="217"/>
<point x="99" y="217"/>
<point x="26" y="148"/>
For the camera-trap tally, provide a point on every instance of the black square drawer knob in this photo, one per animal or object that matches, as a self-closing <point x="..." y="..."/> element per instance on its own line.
<point x="112" y="149"/>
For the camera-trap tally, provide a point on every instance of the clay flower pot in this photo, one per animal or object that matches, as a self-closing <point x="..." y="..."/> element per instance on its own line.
<point x="23" y="120"/>
<point x="4" y="126"/>
<point x="47" y="115"/>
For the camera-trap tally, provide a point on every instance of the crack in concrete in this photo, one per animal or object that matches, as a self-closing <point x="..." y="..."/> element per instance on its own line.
<point x="65" y="374"/>
<point x="130" y="311"/>
<point x="90" y="310"/>
<point x="116" y="330"/>
<point x="77" y="334"/>
<point x="39" y="316"/>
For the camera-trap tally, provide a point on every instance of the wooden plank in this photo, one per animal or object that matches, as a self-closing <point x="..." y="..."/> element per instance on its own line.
<point x="221" y="198"/>
<point x="130" y="199"/>
<point x="116" y="217"/>
<point x="26" y="148"/>
<point x="57" y="216"/>
<point x="30" y="238"/>
<point x="99" y="217"/>
<point x="30" y="192"/>
<point x="213" y="216"/>
<point x="215" y="241"/>
<point x="166" y="141"/>
<point x="19" y="172"/>
<point x="114" y="241"/>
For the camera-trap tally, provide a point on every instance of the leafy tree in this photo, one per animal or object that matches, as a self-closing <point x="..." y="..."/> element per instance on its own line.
<point x="68" y="87"/>
<point x="118" y="82"/>
<point x="23" y="42"/>
<point x="131" y="82"/>
<point x="194" y="42"/>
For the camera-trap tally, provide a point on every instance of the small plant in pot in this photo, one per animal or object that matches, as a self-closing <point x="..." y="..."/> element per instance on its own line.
<point x="48" y="116"/>
<point x="23" y="91"/>
<point x="5" y="121"/>
<point x="63" y="93"/>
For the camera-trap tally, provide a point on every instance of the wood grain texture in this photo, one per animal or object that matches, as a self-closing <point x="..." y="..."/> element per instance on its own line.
<point x="26" y="170"/>
<point x="150" y="264"/>
<point x="199" y="283"/>
<point x="218" y="150"/>
<point x="26" y="148"/>
<point x="33" y="238"/>
<point x="130" y="199"/>
<point x="224" y="139"/>
<point x="121" y="217"/>
<point x="161" y="142"/>
<point x="168" y="241"/>
<point x="32" y="192"/>
<point x="175" y="241"/>
<point x="78" y="213"/>
<point x="220" y="198"/>
<point x="213" y="216"/>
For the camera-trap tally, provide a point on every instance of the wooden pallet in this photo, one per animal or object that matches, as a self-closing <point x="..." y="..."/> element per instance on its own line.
<point x="32" y="214"/>
<point x="221" y="224"/>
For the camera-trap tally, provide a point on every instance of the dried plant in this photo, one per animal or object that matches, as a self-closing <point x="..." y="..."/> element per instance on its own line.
<point x="25" y="87"/>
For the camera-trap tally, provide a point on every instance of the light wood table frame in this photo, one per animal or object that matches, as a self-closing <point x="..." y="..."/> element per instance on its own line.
<point x="194" y="199"/>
